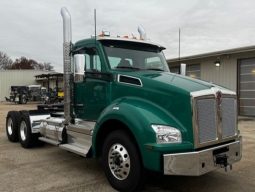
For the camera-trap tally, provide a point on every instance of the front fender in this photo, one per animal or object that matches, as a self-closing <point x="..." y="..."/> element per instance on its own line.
<point x="138" y="115"/>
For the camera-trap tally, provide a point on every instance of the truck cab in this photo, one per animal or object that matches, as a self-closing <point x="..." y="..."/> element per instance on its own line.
<point x="106" y="65"/>
<point x="123" y="106"/>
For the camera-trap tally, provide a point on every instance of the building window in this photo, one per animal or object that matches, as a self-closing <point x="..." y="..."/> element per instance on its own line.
<point x="175" y="70"/>
<point x="193" y="71"/>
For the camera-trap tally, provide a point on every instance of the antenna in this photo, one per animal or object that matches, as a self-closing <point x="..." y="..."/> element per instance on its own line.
<point x="179" y="45"/>
<point x="95" y="23"/>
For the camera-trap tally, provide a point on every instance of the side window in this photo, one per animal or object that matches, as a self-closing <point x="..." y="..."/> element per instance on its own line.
<point x="96" y="63"/>
<point x="92" y="60"/>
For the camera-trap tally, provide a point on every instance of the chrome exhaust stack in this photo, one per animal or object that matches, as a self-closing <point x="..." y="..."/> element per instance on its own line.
<point x="68" y="74"/>
<point x="142" y="33"/>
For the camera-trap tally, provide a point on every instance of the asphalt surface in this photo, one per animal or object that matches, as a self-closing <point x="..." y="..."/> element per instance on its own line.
<point x="48" y="168"/>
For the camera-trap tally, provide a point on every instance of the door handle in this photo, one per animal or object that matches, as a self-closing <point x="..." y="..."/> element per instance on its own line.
<point x="79" y="105"/>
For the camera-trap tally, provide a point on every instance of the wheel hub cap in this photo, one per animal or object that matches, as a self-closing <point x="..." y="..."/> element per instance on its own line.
<point x="9" y="126"/>
<point x="119" y="161"/>
<point x="23" y="130"/>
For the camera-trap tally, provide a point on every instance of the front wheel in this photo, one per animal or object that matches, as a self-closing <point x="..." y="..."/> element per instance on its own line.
<point x="121" y="162"/>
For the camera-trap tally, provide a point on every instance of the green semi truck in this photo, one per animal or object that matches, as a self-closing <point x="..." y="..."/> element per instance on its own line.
<point x="124" y="107"/>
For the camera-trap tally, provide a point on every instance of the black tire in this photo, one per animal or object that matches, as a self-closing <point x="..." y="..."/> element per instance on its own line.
<point x="23" y="99"/>
<point x="26" y="138"/>
<point x="12" y="125"/>
<point x="113" y="162"/>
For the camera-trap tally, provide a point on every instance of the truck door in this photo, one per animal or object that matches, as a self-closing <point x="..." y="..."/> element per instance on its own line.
<point x="92" y="94"/>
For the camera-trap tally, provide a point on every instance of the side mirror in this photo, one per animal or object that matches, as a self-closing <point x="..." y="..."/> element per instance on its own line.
<point x="183" y="69"/>
<point x="79" y="66"/>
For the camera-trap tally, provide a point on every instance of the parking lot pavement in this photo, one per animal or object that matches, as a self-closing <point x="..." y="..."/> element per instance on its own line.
<point x="48" y="168"/>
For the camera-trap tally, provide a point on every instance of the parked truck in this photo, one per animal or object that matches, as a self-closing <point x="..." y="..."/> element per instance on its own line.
<point x="18" y="94"/>
<point x="124" y="107"/>
<point x="23" y="94"/>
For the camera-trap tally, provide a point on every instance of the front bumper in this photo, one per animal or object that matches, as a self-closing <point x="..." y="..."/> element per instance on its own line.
<point x="201" y="162"/>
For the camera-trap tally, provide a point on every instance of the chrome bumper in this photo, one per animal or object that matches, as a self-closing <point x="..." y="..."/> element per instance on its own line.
<point x="201" y="162"/>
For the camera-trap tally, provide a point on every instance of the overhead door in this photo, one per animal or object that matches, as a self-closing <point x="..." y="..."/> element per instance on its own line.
<point x="247" y="87"/>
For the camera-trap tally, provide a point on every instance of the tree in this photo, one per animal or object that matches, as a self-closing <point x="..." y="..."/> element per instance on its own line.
<point x="24" y="63"/>
<point x="48" y="67"/>
<point x="5" y="61"/>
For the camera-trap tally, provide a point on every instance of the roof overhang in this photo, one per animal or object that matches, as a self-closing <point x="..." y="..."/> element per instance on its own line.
<point x="49" y="75"/>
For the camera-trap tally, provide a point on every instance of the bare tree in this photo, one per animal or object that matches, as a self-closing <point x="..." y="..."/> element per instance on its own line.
<point x="5" y="61"/>
<point x="48" y="66"/>
<point x="24" y="63"/>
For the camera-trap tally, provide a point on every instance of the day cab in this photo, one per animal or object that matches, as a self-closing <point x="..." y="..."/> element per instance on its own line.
<point x="124" y="107"/>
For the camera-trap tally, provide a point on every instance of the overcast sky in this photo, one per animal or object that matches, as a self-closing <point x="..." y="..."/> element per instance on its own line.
<point x="33" y="28"/>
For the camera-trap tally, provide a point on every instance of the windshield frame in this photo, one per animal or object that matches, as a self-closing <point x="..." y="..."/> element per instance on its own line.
<point x="142" y="47"/>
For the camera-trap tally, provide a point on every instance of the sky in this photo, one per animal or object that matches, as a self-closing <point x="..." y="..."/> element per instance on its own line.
<point x="33" y="28"/>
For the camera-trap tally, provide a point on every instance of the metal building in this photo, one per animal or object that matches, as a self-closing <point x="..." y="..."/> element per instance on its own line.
<point x="16" y="77"/>
<point x="232" y="68"/>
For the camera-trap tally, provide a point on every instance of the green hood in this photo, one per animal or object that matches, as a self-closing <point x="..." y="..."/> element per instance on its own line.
<point x="170" y="92"/>
<point x="166" y="79"/>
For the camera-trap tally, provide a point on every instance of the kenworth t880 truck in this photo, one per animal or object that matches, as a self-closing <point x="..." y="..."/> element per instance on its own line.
<point x="123" y="106"/>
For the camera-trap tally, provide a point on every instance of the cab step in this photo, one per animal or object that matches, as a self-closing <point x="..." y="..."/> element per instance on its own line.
<point x="50" y="141"/>
<point x="83" y="127"/>
<point x="75" y="149"/>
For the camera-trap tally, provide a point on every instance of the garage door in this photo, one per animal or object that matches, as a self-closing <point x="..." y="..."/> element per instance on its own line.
<point x="247" y="87"/>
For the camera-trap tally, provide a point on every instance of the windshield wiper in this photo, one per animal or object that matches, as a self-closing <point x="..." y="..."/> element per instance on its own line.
<point x="155" y="69"/>
<point x="127" y="67"/>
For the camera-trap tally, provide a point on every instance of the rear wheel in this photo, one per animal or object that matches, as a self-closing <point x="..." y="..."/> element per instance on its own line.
<point x="26" y="137"/>
<point x="122" y="163"/>
<point x="12" y="125"/>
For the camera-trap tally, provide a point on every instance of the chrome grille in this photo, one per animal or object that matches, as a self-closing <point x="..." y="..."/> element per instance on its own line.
<point x="228" y="109"/>
<point x="207" y="122"/>
<point x="215" y="120"/>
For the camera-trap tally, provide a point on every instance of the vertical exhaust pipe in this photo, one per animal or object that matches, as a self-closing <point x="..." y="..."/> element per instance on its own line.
<point x="142" y="33"/>
<point x="68" y="80"/>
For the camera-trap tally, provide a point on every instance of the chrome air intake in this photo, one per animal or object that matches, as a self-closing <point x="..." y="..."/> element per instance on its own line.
<point x="68" y="74"/>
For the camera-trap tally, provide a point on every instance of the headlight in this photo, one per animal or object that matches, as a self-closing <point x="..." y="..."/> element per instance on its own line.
<point x="167" y="134"/>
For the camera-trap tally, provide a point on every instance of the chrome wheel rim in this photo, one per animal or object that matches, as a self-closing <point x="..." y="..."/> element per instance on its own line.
<point x="10" y="126"/>
<point x="119" y="161"/>
<point x="23" y="130"/>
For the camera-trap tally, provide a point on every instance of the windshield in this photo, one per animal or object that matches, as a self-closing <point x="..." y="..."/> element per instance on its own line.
<point x="137" y="56"/>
